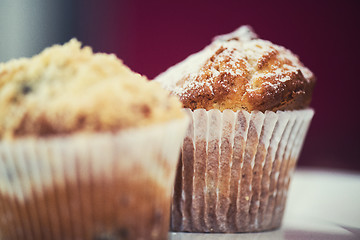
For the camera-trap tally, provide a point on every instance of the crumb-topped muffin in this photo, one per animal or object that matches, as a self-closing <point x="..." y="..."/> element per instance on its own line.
<point x="88" y="148"/>
<point x="239" y="71"/>
<point x="69" y="89"/>
<point x="248" y="103"/>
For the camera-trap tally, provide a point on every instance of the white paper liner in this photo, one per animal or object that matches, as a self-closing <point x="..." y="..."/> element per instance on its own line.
<point x="78" y="186"/>
<point x="235" y="169"/>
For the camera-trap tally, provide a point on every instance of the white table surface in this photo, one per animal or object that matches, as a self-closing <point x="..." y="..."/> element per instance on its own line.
<point x="322" y="205"/>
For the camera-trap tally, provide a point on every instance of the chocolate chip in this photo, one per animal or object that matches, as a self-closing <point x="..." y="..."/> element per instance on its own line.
<point x="25" y="89"/>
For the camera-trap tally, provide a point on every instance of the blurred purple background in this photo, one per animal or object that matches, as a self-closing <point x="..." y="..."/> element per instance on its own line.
<point x="150" y="36"/>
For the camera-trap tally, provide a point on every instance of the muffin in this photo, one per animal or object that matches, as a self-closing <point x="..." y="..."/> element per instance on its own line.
<point x="88" y="148"/>
<point x="248" y="100"/>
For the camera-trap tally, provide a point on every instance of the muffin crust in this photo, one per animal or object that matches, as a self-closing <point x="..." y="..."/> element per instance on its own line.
<point x="68" y="89"/>
<point x="239" y="71"/>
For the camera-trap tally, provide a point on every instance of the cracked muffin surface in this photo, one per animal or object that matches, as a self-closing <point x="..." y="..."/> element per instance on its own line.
<point x="67" y="88"/>
<point x="239" y="71"/>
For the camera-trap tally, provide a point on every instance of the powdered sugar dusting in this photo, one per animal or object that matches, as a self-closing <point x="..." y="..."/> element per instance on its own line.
<point x="229" y="59"/>
<point x="240" y="54"/>
<point x="190" y="66"/>
<point x="243" y="33"/>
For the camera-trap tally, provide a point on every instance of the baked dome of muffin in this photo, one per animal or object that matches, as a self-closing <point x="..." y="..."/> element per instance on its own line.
<point x="238" y="71"/>
<point x="69" y="89"/>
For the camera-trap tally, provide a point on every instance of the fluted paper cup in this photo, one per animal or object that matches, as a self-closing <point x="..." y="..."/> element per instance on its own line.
<point x="235" y="169"/>
<point x="90" y="186"/>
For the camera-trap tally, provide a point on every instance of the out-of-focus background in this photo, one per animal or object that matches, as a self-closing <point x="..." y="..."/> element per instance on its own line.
<point x="150" y="36"/>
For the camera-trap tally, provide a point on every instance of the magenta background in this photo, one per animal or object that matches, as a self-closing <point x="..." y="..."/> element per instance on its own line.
<point x="150" y="36"/>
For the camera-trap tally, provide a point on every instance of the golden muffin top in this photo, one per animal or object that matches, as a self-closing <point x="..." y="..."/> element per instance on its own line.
<point x="239" y="71"/>
<point x="68" y="89"/>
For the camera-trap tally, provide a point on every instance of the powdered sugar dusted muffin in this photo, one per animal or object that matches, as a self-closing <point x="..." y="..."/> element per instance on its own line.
<point x="239" y="71"/>
<point x="248" y="100"/>
<point x="88" y="148"/>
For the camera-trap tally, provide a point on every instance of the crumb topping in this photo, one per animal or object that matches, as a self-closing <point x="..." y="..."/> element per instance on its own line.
<point x="68" y="89"/>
